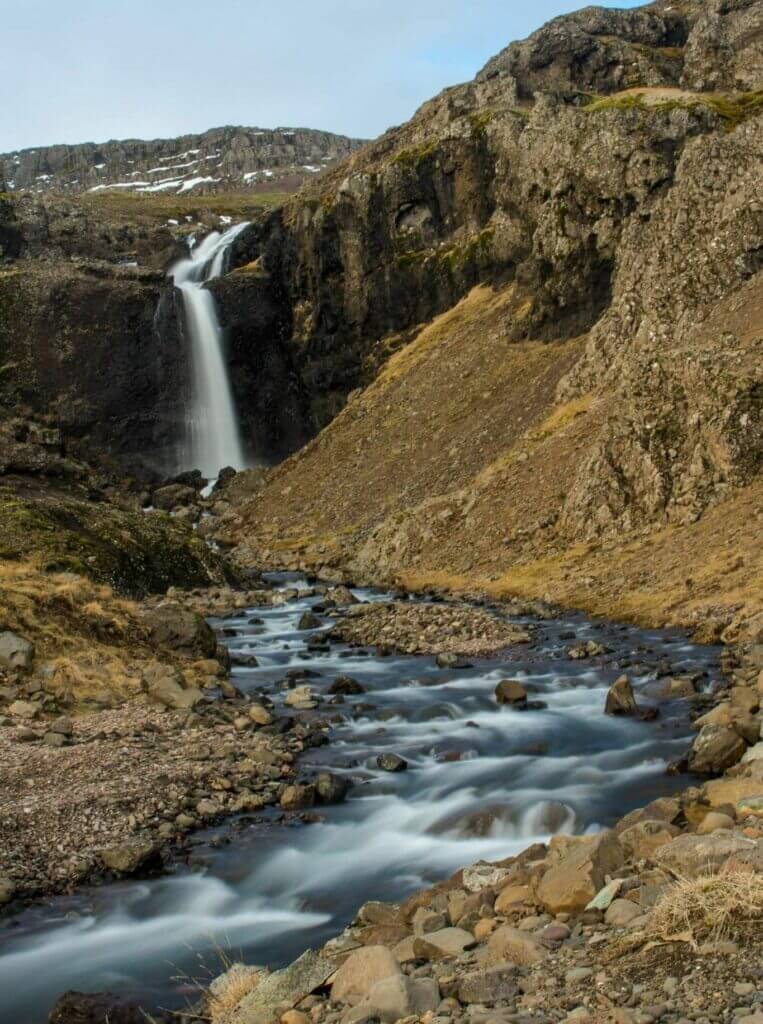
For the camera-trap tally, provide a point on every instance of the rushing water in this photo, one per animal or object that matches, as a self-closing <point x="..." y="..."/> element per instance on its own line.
<point x="213" y="436"/>
<point x="484" y="781"/>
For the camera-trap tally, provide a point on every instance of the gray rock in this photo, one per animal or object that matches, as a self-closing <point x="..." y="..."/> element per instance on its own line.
<point x="129" y="858"/>
<point x="284" y="987"/>
<point x="490" y="986"/>
<point x="620" y="699"/>
<point x="15" y="652"/>
<point x="391" y="763"/>
<point x="715" y="749"/>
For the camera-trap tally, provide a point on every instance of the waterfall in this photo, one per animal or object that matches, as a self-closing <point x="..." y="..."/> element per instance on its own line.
<point x="213" y="439"/>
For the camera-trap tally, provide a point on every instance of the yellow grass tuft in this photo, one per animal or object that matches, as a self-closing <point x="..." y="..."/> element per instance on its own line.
<point x="230" y="989"/>
<point x="711" y="905"/>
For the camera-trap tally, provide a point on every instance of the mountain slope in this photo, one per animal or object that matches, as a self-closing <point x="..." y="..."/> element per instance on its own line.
<point x="570" y="289"/>
<point x="218" y="160"/>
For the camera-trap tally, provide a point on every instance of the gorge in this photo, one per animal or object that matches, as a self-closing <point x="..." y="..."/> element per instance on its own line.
<point x="381" y="576"/>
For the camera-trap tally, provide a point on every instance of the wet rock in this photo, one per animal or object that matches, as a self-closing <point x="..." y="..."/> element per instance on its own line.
<point x="331" y="788"/>
<point x="7" y="890"/>
<point x="182" y="630"/>
<point x="130" y="858"/>
<point x="297" y="798"/>
<point x="509" y="691"/>
<point x="715" y="749"/>
<point x="510" y="945"/>
<point x="173" y="496"/>
<point x="282" y="989"/>
<point x="391" y="763"/>
<point x="346" y="686"/>
<point x="308" y="621"/>
<point x="15" y="652"/>
<point x="445" y="659"/>
<point x="259" y="714"/>
<point x="102" y="1008"/>
<point x="620" y="698"/>
<point x="361" y="971"/>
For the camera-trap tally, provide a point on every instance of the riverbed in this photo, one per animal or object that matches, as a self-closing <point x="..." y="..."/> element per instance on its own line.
<point x="483" y="781"/>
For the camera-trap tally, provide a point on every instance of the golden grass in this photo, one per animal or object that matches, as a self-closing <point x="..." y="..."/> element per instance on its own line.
<point x="711" y="905"/>
<point x="230" y="989"/>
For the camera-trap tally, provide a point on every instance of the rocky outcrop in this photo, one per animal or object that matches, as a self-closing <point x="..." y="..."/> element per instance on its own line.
<point x="216" y="160"/>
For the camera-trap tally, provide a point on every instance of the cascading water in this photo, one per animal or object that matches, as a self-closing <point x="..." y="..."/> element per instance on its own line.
<point x="213" y="438"/>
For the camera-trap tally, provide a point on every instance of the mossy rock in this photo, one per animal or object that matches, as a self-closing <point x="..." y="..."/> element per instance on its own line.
<point x="134" y="552"/>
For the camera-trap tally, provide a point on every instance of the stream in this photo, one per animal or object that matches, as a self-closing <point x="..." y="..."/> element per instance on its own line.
<point x="483" y="781"/>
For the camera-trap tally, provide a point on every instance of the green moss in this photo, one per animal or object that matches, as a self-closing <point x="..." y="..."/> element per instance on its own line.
<point x="479" y="123"/>
<point x="733" y="108"/>
<point x="134" y="552"/>
<point x="414" y="156"/>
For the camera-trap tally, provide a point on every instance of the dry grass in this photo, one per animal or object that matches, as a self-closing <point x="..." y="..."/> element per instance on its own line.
<point x="230" y="989"/>
<point x="711" y="905"/>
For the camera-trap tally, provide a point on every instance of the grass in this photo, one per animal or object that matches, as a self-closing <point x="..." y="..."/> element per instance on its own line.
<point x="230" y="989"/>
<point x="152" y="208"/>
<point x="711" y="905"/>
<point x="733" y="108"/>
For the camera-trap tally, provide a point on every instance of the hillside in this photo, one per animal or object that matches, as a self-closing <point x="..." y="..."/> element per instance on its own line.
<point x="562" y="259"/>
<point x="219" y="160"/>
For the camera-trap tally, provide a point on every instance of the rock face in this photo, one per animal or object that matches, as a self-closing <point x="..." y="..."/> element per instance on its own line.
<point x="216" y="160"/>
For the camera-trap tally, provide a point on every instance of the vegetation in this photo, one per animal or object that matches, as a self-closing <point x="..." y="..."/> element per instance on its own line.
<point x="160" y="208"/>
<point x="733" y="108"/>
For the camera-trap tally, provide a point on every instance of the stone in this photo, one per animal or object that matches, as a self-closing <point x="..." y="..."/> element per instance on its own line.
<point x="236" y="975"/>
<point x="7" y="890"/>
<point x="426" y="920"/>
<point x="173" y="496"/>
<point x="346" y="686"/>
<point x="16" y="652"/>
<point x="620" y="698"/>
<point x="482" y="876"/>
<point x="511" y="945"/>
<point x="689" y="855"/>
<point x="208" y="808"/>
<point x="295" y="1017"/>
<point x="751" y="805"/>
<point x="181" y="629"/>
<point x="331" y="788"/>
<point x="577" y="974"/>
<point x="130" y="858"/>
<point x="361" y="971"/>
<point x="640" y="841"/>
<point x="24" y="709"/>
<point x="510" y="896"/>
<point x="297" y="798"/>
<point x="102" y="1008"/>
<point x="301" y="697"/>
<point x="714" y="822"/>
<point x="286" y="987"/>
<point x="394" y="998"/>
<point x="715" y="749"/>
<point x="571" y="884"/>
<point x="489" y="986"/>
<point x="259" y="714"/>
<point x="308" y="620"/>
<point x="391" y="763"/>
<point x="63" y="725"/>
<point x="443" y="942"/>
<point x="753" y="754"/>
<point x="54" y="739"/>
<point x="745" y="698"/>
<point x="621" y="912"/>
<point x="445" y="659"/>
<point x="509" y="691"/>
<point x="166" y="685"/>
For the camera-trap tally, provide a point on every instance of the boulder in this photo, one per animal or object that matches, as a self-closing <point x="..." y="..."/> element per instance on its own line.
<point x="24" y="709"/>
<point x="166" y="685"/>
<point x="282" y="989"/>
<point x="260" y="715"/>
<point x="391" y="763"/>
<point x="690" y="854"/>
<point x="301" y="698"/>
<point x="482" y="876"/>
<point x="173" y="496"/>
<point x="715" y="822"/>
<point x="715" y="749"/>
<point x="345" y="685"/>
<point x="15" y="652"/>
<point x="510" y="945"/>
<point x="7" y="890"/>
<point x="621" y="912"/>
<point x="308" y="620"/>
<point x="331" y="788"/>
<point x="297" y="798"/>
<point x="341" y="596"/>
<point x="130" y="858"/>
<point x="510" y="896"/>
<point x="361" y="971"/>
<point x="179" y="629"/>
<point x="442" y="942"/>
<point x="620" y="698"/>
<point x="640" y="841"/>
<point x="509" y="691"/>
<point x="570" y="884"/>
<point x="395" y="998"/>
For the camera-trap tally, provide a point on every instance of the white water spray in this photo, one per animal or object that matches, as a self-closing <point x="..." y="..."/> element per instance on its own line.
<point x="213" y="438"/>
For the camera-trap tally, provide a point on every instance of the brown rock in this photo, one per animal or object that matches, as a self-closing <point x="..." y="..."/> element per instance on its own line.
<point x="715" y="749"/>
<point x="572" y="883"/>
<point x="361" y="971"/>
<point x="620" y="698"/>
<point x="509" y="691"/>
<point x="510" y="945"/>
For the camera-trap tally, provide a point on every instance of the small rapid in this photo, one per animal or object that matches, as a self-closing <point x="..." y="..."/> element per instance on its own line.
<point x="483" y="782"/>
<point x="213" y="438"/>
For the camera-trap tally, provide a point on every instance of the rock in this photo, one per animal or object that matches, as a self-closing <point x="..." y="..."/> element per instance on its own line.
<point x="641" y="840"/>
<point x="341" y="596"/>
<point x="715" y="749"/>
<point x="24" y="709"/>
<point x="510" y="945"/>
<point x="102" y="1008"/>
<point x="395" y="998"/>
<point x="361" y="971"/>
<point x="7" y="890"/>
<point x="237" y="975"/>
<point x="751" y="805"/>
<point x="297" y="798"/>
<point x="208" y="808"/>
<point x="753" y="754"/>
<point x="345" y="685"/>
<point x="689" y="855"/>
<point x="571" y="884"/>
<point x="577" y="974"/>
<point x="63" y="725"/>
<point x="129" y="858"/>
<point x="620" y="698"/>
<point x="489" y="986"/>
<point x="447" y="660"/>
<point x="715" y="822"/>
<point x="442" y="942"/>
<point x="295" y="1017"/>
<point x="621" y="912"/>
<point x="301" y="697"/>
<point x="308" y="620"/>
<point x="509" y="691"/>
<point x="482" y="876"/>
<point x="331" y="788"/>
<point x="510" y="896"/>
<point x="391" y="763"/>
<point x="16" y="652"/>
<point x="283" y="988"/>
<point x="173" y="496"/>
<point x="260" y="715"/>
<point x="166" y="685"/>
<point x="182" y="630"/>
<point x="54" y="739"/>
<point x="427" y="920"/>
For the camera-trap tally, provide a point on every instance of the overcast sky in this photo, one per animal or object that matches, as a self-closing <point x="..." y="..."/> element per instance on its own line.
<point x="92" y="70"/>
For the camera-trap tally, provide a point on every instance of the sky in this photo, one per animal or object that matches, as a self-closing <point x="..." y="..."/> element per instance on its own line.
<point x="92" y="70"/>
